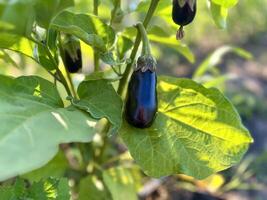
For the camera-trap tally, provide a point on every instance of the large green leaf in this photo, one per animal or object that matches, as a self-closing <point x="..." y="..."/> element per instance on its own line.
<point x="99" y="98"/>
<point x="46" y="10"/>
<point x="19" y="15"/>
<point x="88" y="28"/>
<point x="197" y="132"/>
<point x="33" y="123"/>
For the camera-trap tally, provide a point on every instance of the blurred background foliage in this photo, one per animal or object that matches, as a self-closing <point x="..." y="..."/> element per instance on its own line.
<point x="234" y="60"/>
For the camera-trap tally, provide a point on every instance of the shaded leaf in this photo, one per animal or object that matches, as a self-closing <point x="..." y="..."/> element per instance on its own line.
<point x="88" y="28"/>
<point x="99" y="98"/>
<point x="46" y="10"/>
<point x="34" y="123"/>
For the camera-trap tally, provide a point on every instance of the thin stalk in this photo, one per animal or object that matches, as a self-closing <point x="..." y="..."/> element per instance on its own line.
<point x="128" y="70"/>
<point x="114" y="11"/>
<point x="96" y="54"/>
<point x="61" y="77"/>
<point x="96" y="7"/>
<point x="96" y="61"/>
<point x="67" y="71"/>
<point x="146" y="47"/>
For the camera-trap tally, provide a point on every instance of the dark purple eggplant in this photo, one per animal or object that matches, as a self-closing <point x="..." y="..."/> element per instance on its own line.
<point x="73" y="62"/>
<point x="71" y="54"/>
<point x="142" y="103"/>
<point x="183" y="15"/>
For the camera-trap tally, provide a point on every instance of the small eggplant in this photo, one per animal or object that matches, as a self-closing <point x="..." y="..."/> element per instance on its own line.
<point x="142" y="103"/>
<point x="72" y="55"/>
<point x="73" y="62"/>
<point x="183" y="15"/>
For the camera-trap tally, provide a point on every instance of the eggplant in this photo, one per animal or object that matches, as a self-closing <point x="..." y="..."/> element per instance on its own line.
<point x="142" y="104"/>
<point x="183" y="15"/>
<point x="72" y="62"/>
<point x="71" y="54"/>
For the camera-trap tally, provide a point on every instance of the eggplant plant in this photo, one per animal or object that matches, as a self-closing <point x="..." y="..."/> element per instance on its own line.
<point x="97" y="134"/>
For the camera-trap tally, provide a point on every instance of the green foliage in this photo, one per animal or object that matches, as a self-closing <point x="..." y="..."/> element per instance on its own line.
<point x="49" y="189"/>
<point x="46" y="10"/>
<point x="197" y="131"/>
<point x="88" y="28"/>
<point x="34" y="122"/>
<point x="16" y="16"/>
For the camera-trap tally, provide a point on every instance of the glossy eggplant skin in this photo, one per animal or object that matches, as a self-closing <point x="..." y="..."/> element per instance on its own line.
<point x="183" y="15"/>
<point x="73" y="63"/>
<point x="142" y="103"/>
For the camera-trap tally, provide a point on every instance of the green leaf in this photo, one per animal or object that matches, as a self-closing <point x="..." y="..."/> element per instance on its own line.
<point x="92" y="188"/>
<point x="197" y="132"/>
<point x="216" y="57"/>
<point x="173" y="43"/>
<point x="55" y="168"/>
<point x="34" y="123"/>
<point x="124" y="44"/>
<point x="19" y="15"/>
<point x="110" y="59"/>
<point x="121" y="183"/>
<point x="99" y="98"/>
<point x="46" y="10"/>
<point x="219" y="14"/>
<point x="16" y="43"/>
<point x="43" y="59"/>
<point x="107" y="74"/>
<point x="225" y="3"/>
<point x="88" y="28"/>
<point x="7" y="192"/>
<point x="52" y="189"/>
<point x="26" y="47"/>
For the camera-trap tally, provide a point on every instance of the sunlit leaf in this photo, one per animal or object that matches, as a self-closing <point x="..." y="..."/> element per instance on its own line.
<point x="197" y="132"/>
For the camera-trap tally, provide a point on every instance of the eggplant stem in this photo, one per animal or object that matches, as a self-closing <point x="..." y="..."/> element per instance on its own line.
<point x="180" y="33"/>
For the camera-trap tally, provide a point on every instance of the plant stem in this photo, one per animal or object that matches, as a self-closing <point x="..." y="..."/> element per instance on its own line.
<point x="128" y="70"/>
<point x="64" y="82"/>
<point x="124" y="80"/>
<point x="96" y="54"/>
<point x="146" y="47"/>
<point x="71" y="84"/>
<point x="96" y="7"/>
<point x="114" y="11"/>
<point x="67" y="71"/>
<point x="96" y="61"/>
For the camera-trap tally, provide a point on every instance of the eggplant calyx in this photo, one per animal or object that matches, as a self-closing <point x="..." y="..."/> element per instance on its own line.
<point x="146" y="62"/>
